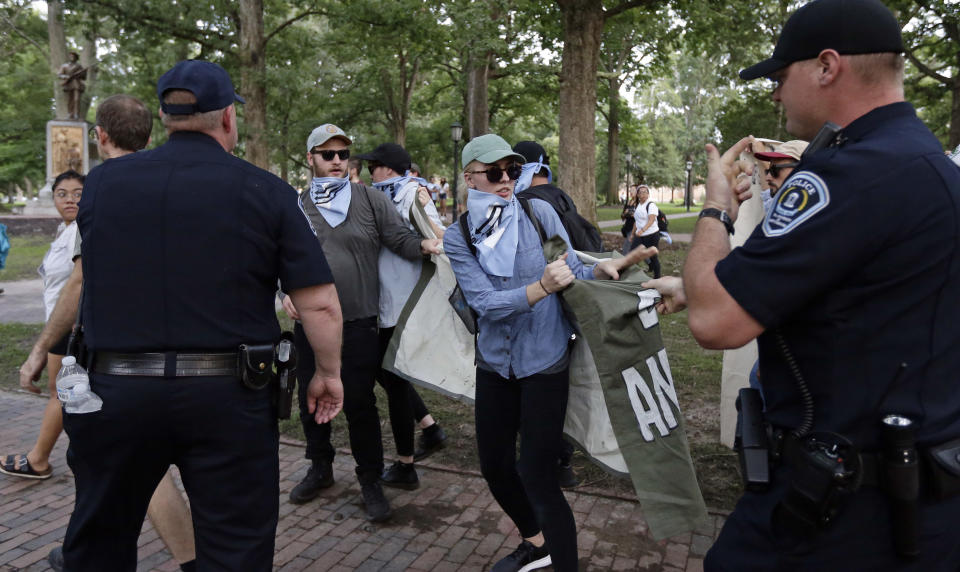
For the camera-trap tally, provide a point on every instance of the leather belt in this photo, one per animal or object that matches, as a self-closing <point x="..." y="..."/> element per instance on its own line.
<point x="168" y="364"/>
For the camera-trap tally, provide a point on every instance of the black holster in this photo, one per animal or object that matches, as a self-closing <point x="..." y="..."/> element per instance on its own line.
<point x="286" y="361"/>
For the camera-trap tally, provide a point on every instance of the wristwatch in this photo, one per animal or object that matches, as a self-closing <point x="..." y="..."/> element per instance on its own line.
<point x="720" y="215"/>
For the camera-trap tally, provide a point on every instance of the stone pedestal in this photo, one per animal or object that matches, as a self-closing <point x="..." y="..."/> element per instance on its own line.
<point x="67" y="148"/>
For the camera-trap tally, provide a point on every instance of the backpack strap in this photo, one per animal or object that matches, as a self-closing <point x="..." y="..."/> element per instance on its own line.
<point x="525" y="205"/>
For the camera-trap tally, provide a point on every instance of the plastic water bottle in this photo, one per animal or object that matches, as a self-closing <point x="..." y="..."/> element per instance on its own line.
<point x="73" y="388"/>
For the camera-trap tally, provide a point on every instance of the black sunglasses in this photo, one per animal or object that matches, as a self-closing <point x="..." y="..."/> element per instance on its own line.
<point x="495" y="173"/>
<point x="328" y="154"/>
<point x="774" y="169"/>
<point x="371" y="166"/>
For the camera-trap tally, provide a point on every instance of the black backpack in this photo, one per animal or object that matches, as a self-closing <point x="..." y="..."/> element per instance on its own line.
<point x="583" y="235"/>
<point x="661" y="219"/>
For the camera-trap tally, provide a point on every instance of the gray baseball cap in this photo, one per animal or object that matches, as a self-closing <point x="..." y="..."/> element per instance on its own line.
<point x="488" y="148"/>
<point x="324" y="133"/>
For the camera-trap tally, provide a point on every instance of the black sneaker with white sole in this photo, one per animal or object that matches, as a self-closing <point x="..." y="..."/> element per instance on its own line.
<point x="526" y="557"/>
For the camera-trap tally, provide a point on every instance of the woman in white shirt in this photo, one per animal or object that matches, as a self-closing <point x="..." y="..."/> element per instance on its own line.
<point x="56" y="267"/>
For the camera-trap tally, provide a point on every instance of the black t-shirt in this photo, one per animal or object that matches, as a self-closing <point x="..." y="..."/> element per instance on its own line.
<point x="857" y="267"/>
<point x="183" y="246"/>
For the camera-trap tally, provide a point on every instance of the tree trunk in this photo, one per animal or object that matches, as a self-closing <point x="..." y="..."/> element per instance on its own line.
<point x="88" y="59"/>
<point x="954" y="136"/>
<point x="613" y="142"/>
<point x="582" y="31"/>
<point x="478" y="104"/>
<point x="58" y="53"/>
<point x="253" y="72"/>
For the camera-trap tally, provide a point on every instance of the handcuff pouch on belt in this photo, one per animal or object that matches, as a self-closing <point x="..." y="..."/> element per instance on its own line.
<point x="256" y="365"/>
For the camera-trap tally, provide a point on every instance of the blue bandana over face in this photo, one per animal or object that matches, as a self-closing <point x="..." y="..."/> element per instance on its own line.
<point x="393" y="185"/>
<point x="332" y="197"/>
<point x="494" y="231"/>
<point x="527" y="173"/>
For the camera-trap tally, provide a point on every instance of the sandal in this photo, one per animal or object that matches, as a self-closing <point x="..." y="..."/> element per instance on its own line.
<point x="19" y="466"/>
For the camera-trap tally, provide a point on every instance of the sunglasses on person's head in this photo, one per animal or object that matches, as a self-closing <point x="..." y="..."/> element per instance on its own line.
<point x="775" y="168"/>
<point x="495" y="173"/>
<point x="328" y="154"/>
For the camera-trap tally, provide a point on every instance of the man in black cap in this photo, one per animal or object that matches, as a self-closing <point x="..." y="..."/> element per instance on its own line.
<point x="395" y="176"/>
<point x="852" y="283"/>
<point x="179" y="282"/>
<point x="536" y="181"/>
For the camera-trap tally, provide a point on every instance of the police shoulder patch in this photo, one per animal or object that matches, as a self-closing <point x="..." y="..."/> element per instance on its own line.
<point x="802" y="195"/>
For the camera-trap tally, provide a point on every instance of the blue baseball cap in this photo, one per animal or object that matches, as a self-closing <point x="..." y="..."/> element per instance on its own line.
<point x="209" y="82"/>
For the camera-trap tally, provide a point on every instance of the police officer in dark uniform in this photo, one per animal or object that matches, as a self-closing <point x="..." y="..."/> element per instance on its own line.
<point x="182" y="249"/>
<point x="852" y="283"/>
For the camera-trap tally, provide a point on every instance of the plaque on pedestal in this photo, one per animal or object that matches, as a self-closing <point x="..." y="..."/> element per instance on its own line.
<point x="67" y="148"/>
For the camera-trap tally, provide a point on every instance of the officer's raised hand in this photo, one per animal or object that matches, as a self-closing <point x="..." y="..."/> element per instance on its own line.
<point x="725" y="191"/>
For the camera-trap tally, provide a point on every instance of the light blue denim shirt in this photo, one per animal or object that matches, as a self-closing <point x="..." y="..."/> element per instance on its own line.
<point x="514" y="338"/>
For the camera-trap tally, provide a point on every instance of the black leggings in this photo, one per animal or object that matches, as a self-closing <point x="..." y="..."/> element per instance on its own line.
<point x="528" y="490"/>
<point x="400" y="402"/>
<point x="650" y="240"/>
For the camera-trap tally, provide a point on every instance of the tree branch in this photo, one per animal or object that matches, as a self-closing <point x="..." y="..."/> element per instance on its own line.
<point x="23" y="35"/>
<point x="171" y="27"/>
<point x="620" y="8"/>
<point x="926" y="70"/>
<point x="292" y="21"/>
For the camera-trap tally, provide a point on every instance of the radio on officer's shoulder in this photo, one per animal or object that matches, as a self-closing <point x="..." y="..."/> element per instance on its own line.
<point x="827" y="135"/>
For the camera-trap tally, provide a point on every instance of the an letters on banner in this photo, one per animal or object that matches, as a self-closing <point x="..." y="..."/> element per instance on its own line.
<point x="649" y="411"/>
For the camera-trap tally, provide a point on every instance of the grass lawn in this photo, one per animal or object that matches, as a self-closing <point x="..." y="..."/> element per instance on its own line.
<point x="696" y="375"/>
<point x="682" y="225"/>
<point x="26" y="254"/>
<point x="613" y="212"/>
<point x="15" y="343"/>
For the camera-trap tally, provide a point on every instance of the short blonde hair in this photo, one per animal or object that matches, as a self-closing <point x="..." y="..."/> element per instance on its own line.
<point x="878" y="69"/>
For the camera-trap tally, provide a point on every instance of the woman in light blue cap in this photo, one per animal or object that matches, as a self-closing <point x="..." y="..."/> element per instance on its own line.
<point x="522" y="349"/>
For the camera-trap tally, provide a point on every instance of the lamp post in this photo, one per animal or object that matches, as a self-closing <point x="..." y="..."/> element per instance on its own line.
<point x="456" y="131"/>
<point x="687" y="196"/>
<point x="627" y="156"/>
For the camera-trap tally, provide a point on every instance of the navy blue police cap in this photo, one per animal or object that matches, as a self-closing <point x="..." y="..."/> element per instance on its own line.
<point x="207" y="81"/>
<point x="847" y="26"/>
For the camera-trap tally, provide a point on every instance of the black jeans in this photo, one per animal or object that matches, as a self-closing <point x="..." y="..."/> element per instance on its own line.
<point x="222" y="436"/>
<point x="650" y="240"/>
<point x="358" y="371"/>
<point x="528" y="489"/>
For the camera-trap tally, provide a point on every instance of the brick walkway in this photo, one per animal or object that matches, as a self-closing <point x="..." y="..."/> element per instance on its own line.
<point x="450" y="524"/>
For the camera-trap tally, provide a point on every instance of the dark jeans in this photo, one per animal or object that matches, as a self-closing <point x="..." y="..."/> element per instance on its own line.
<point x="400" y="394"/>
<point x="319" y="447"/>
<point x="650" y="240"/>
<point x="358" y="371"/>
<point x="222" y="436"/>
<point x="528" y="489"/>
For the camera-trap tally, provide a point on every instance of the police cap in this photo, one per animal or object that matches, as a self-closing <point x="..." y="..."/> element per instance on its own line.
<point x="207" y="81"/>
<point x="847" y="26"/>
